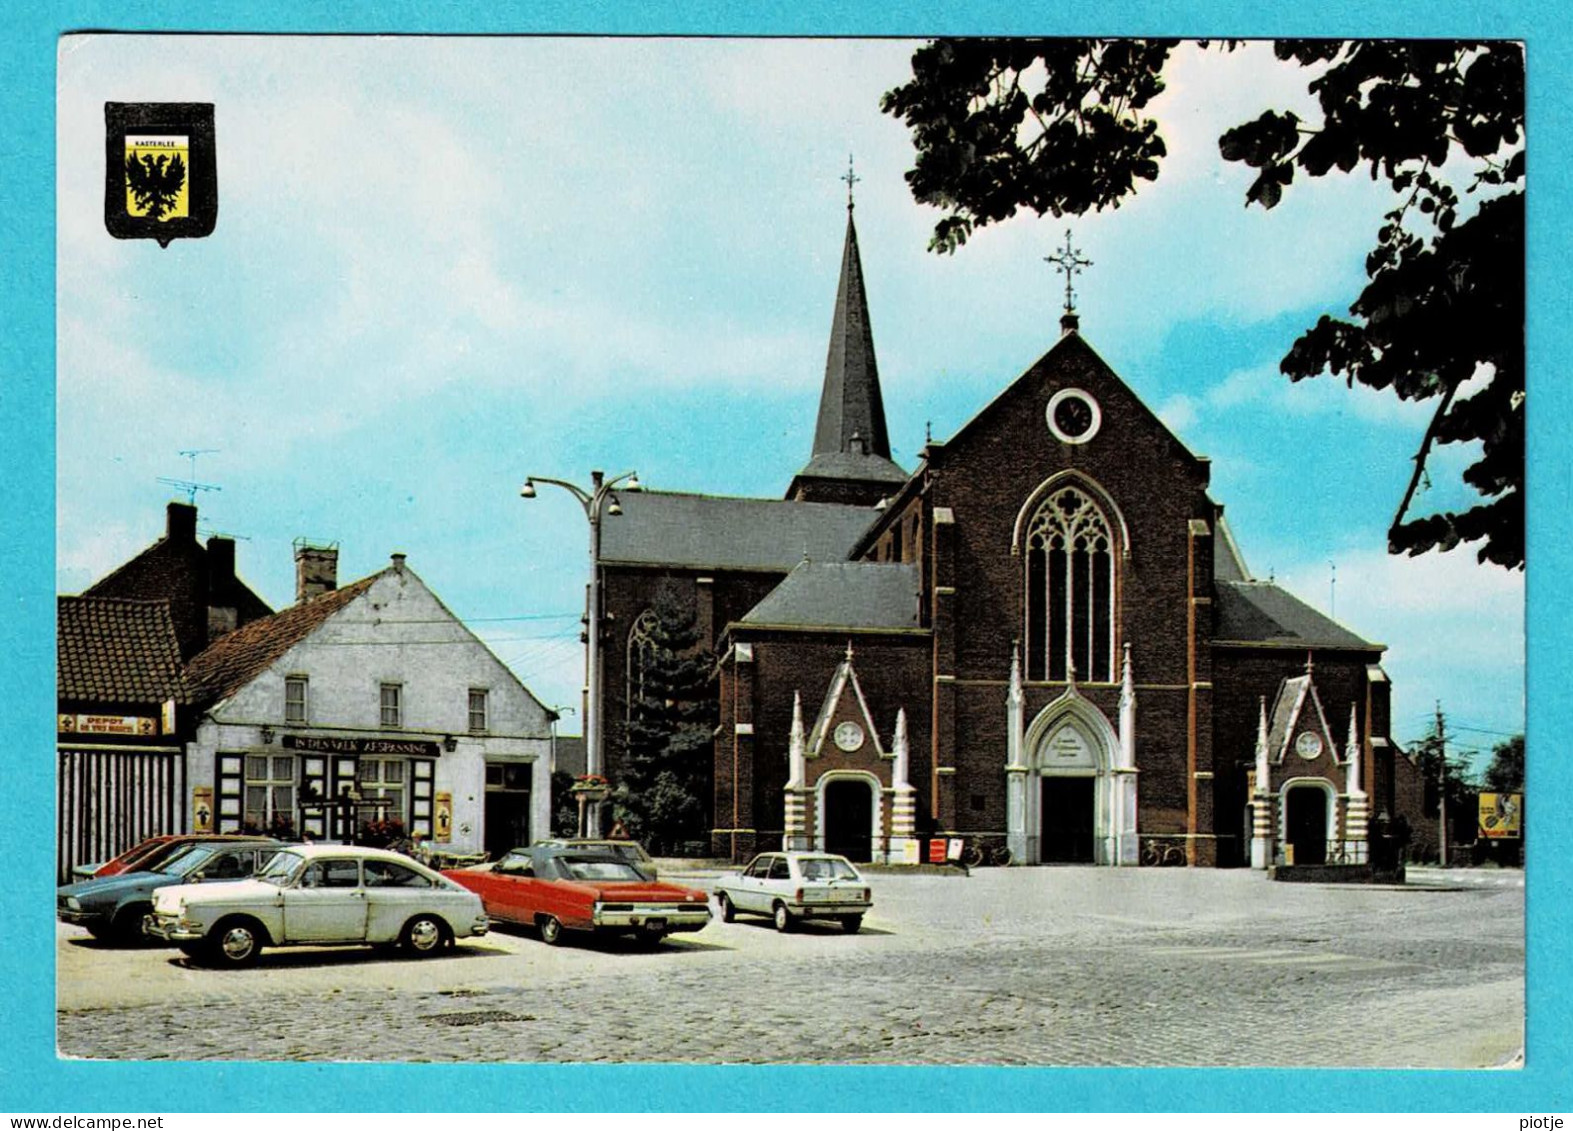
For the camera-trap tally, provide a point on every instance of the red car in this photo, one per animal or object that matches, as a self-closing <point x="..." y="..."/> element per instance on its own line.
<point x="147" y="855"/>
<point x="582" y="889"/>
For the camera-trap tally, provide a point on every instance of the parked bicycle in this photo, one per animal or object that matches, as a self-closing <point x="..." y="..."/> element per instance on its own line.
<point x="980" y="851"/>
<point x="1163" y="852"/>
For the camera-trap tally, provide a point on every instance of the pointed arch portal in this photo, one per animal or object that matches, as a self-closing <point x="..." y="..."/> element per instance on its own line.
<point x="1066" y="792"/>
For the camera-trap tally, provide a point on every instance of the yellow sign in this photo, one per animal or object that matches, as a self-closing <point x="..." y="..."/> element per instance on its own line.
<point x="158" y="176"/>
<point x="202" y="809"/>
<point x="442" y="823"/>
<point x="1501" y="815"/>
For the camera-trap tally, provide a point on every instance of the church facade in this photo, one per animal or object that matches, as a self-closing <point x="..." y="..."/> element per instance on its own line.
<point x="1042" y="639"/>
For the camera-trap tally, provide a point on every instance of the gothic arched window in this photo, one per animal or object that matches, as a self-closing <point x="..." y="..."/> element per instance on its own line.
<point x="641" y="654"/>
<point x="1070" y="590"/>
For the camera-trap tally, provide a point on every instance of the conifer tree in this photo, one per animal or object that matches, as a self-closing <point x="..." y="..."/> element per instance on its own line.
<point x="663" y="796"/>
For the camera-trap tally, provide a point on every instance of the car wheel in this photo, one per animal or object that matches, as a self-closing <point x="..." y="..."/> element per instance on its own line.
<point x="852" y="923"/>
<point x="783" y="918"/>
<point x="423" y="935"/>
<point x="127" y="927"/>
<point x="234" y="942"/>
<point x="728" y="912"/>
<point x="551" y="930"/>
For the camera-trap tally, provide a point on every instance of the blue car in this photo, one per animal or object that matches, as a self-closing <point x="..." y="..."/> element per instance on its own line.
<point x="112" y="908"/>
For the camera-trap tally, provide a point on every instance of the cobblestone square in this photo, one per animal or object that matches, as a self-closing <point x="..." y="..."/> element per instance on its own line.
<point x="1031" y="966"/>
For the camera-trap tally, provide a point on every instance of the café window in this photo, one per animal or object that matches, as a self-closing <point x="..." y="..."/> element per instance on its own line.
<point x="382" y="783"/>
<point x="270" y="794"/>
<point x="392" y="705"/>
<point x="477" y="710"/>
<point x="295" y="699"/>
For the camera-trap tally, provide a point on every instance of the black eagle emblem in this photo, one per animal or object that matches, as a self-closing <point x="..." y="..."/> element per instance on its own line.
<point x="155" y="182"/>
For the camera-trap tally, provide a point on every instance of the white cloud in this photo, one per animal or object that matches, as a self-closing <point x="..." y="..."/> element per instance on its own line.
<point x="1179" y="412"/>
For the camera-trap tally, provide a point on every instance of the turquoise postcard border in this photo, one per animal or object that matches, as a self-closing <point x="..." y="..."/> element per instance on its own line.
<point x="32" y="1079"/>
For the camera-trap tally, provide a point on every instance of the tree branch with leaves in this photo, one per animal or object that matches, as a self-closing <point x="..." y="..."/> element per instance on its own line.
<point x="1065" y="126"/>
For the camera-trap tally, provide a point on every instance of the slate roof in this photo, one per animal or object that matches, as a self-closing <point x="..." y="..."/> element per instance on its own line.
<point x="1259" y="612"/>
<point x="843" y="594"/>
<point x="1228" y="562"/>
<point x="571" y="755"/>
<point x="234" y="660"/>
<point x="113" y="650"/>
<point x="853" y="465"/>
<point x="850" y="402"/>
<point x="718" y="532"/>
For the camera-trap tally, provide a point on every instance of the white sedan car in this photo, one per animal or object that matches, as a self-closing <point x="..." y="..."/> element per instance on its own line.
<point x="319" y="895"/>
<point x="789" y="886"/>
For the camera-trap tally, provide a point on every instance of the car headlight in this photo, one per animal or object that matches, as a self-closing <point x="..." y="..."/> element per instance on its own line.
<point x="73" y="903"/>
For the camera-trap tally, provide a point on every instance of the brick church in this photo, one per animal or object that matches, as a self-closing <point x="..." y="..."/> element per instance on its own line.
<point x="1042" y="638"/>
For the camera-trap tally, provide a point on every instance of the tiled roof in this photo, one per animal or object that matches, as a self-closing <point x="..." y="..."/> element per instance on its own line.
<point x="843" y="594"/>
<point x="177" y="570"/>
<point x="234" y="660"/>
<point x="718" y="532"/>
<point x="112" y="650"/>
<point x="1259" y="612"/>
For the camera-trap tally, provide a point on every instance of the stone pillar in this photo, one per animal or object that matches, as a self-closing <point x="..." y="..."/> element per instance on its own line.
<point x="1357" y="807"/>
<point x="1126" y="845"/>
<point x="903" y="797"/>
<point x="1261" y="798"/>
<point x="1019" y="838"/>
<point x="795" y="837"/>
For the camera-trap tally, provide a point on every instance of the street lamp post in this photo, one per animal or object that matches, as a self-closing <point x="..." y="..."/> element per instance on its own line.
<point x="592" y="501"/>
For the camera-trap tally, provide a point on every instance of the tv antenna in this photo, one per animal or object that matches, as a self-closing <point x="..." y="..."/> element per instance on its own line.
<point x="192" y="486"/>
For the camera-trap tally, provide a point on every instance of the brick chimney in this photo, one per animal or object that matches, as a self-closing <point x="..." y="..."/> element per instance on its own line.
<point x="316" y="570"/>
<point x="181" y="522"/>
<point x="223" y="614"/>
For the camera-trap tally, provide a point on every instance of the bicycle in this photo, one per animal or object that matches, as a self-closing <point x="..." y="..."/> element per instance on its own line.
<point x="1162" y="852"/>
<point x="978" y="853"/>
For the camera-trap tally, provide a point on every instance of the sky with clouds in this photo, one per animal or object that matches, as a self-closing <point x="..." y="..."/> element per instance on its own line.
<point x="442" y="265"/>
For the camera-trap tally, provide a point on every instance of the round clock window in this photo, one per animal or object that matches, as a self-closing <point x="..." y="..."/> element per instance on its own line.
<point x="849" y="736"/>
<point x="1073" y="416"/>
<point x="1308" y="745"/>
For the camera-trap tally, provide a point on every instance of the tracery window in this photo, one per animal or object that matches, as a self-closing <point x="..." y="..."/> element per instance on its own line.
<point x="641" y="655"/>
<point x="1070" y="590"/>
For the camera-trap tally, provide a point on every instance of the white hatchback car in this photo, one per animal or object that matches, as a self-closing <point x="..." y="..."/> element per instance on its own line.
<point x="318" y="895"/>
<point x="788" y="886"/>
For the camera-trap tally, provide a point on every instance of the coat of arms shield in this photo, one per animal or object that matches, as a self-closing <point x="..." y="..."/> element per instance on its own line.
<point x="160" y="175"/>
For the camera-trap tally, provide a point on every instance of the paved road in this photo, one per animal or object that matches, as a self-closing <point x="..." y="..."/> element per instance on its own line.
<point x="1044" y="966"/>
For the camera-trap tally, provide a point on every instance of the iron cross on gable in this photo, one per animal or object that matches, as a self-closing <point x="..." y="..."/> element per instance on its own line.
<point x="1070" y="262"/>
<point x="851" y="179"/>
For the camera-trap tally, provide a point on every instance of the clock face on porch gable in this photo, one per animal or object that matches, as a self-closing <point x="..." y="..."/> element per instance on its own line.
<point x="849" y="736"/>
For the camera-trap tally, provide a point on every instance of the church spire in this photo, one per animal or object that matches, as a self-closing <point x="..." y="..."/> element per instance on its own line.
<point x="851" y="460"/>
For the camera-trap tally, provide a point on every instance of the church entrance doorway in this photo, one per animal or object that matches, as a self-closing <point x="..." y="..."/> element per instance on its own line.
<point x="1305" y="818"/>
<point x="849" y="819"/>
<point x="1068" y="823"/>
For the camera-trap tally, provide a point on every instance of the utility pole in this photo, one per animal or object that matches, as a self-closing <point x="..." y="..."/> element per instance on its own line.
<point x="1441" y="783"/>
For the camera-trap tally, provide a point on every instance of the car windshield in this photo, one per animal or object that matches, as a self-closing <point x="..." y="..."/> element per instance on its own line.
<point x="824" y="868"/>
<point x="189" y="861"/>
<point x="282" y="869"/>
<point x="628" y="850"/>
<point x="174" y="863"/>
<point x="600" y="869"/>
